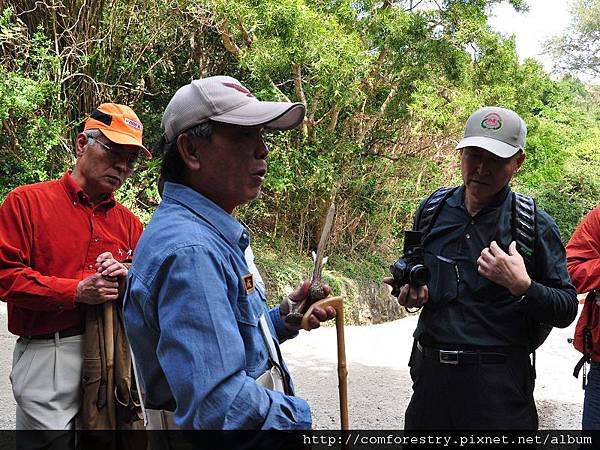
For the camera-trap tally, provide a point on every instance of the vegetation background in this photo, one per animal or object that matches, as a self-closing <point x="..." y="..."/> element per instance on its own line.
<point x="388" y="86"/>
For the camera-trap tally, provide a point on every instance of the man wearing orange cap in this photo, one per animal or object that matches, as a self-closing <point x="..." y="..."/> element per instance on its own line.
<point x="62" y="244"/>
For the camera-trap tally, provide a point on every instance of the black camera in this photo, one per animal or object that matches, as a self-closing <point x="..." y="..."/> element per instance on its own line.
<point x="410" y="269"/>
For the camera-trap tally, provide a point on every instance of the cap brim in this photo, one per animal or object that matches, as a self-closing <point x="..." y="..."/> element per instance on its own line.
<point x="494" y="146"/>
<point x="124" y="139"/>
<point x="272" y="115"/>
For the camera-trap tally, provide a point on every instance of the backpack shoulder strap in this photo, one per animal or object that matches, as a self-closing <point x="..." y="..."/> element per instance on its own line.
<point x="431" y="209"/>
<point x="524" y="227"/>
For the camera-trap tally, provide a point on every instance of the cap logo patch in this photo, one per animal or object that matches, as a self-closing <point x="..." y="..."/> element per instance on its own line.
<point x="492" y="121"/>
<point x="248" y="283"/>
<point x="239" y="88"/>
<point x="132" y="123"/>
<point x="104" y="118"/>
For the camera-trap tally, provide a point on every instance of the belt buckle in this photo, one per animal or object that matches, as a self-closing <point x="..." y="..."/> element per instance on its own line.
<point x="449" y="356"/>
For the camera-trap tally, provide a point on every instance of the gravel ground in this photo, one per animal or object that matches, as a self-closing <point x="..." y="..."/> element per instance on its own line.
<point x="379" y="385"/>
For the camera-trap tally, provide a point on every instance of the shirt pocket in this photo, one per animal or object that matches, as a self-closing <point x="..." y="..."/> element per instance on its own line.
<point x="248" y="310"/>
<point x="443" y="284"/>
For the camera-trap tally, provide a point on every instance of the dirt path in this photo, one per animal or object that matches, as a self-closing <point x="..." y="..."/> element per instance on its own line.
<point x="379" y="385"/>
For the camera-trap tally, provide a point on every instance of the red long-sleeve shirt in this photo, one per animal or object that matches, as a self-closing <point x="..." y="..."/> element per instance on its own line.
<point x="50" y="237"/>
<point x="583" y="253"/>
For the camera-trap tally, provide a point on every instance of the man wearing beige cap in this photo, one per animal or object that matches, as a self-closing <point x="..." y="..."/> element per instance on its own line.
<point x="205" y="343"/>
<point x="61" y="246"/>
<point x="498" y="283"/>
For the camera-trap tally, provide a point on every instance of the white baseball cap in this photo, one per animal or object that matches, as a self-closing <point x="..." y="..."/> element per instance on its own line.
<point x="497" y="130"/>
<point x="224" y="99"/>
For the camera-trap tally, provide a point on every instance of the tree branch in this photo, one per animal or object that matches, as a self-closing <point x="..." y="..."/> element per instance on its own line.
<point x="297" y="72"/>
<point x="245" y="35"/>
<point x="335" y="113"/>
<point x="230" y="46"/>
<point x="371" y="122"/>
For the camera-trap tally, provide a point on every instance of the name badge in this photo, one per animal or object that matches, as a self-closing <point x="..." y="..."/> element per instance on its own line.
<point x="248" y="283"/>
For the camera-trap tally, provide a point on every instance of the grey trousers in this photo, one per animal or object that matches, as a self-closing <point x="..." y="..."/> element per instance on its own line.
<point x="46" y="382"/>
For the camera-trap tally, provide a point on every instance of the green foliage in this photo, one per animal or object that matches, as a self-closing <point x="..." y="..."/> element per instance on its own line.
<point x="30" y="109"/>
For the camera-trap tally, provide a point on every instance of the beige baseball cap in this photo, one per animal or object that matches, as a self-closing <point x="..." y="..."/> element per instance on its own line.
<point x="224" y="99"/>
<point x="497" y="130"/>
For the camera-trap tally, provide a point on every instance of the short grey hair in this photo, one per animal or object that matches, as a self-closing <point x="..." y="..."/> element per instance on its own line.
<point x="202" y="130"/>
<point x="93" y="133"/>
<point x="172" y="166"/>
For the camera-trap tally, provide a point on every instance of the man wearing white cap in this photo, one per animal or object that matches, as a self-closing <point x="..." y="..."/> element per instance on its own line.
<point x="206" y="346"/>
<point x="498" y="271"/>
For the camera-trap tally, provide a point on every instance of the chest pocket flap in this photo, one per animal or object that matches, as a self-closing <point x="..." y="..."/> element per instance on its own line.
<point x="249" y="309"/>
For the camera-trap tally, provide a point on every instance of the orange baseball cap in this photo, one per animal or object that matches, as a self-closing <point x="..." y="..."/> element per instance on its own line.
<point x="119" y="124"/>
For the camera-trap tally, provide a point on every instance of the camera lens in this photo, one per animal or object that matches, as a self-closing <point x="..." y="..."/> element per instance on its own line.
<point x="419" y="275"/>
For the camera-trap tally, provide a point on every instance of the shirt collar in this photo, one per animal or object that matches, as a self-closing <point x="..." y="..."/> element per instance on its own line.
<point x="77" y="194"/>
<point x="227" y="225"/>
<point x="457" y="199"/>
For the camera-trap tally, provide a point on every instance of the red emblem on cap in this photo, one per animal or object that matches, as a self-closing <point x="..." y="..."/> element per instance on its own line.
<point x="492" y="121"/>
<point x="237" y="87"/>
<point x="132" y="123"/>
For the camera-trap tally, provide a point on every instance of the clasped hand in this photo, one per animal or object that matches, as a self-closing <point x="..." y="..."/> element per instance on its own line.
<point x="107" y="284"/>
<point x="318" y="314"/>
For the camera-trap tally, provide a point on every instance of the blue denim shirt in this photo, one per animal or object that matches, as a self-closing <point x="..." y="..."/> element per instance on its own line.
<point x="192" y="321"/>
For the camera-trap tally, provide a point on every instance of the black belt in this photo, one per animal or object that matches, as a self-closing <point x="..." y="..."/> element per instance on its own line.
<point x="73" y="331"/>
<point x="462" y="357"/>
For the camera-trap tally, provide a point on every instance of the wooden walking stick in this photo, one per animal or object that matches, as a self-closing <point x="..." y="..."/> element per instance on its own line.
<point x="338" y="304"/>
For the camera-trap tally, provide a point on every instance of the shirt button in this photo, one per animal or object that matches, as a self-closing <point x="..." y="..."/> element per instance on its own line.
<point x="90" y="267"/>
<point x="472" y="222"/>
<point x="96" y="239"/>
<point x="74" y="203"/>
<point x="468" y="236"/>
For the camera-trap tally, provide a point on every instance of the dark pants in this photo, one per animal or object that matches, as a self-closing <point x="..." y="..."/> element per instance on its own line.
<point x="471" y="397"/>
<point x="591" y="402"/>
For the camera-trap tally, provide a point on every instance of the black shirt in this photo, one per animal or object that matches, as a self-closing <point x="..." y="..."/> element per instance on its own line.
<point x="465" y="309"/>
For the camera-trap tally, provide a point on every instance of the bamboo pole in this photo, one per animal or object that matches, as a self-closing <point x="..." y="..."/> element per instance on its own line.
<point x="109" y="342"/>
<point x="338" y="304"/>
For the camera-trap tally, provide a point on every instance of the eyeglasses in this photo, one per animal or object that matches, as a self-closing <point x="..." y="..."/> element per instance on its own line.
<point x="117" y="154"/>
